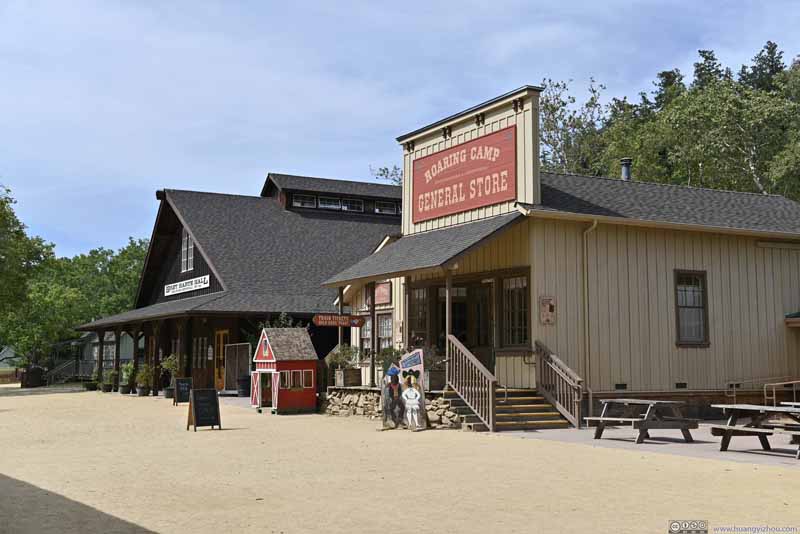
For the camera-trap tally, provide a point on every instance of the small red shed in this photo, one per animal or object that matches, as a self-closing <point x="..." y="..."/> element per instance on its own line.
<point x="285" y="376"/>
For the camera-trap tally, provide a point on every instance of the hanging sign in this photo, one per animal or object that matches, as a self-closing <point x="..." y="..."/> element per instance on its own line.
<point x="478" y="173"/>
<point x="333" y="319"/>
<point x="185" y="286"/>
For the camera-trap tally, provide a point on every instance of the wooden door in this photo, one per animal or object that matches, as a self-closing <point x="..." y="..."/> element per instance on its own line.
<point x="221" y="338"/>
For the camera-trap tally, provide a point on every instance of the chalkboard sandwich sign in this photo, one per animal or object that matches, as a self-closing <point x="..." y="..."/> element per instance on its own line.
<point x="203" y="409"/>
<point x="182" y="388"/>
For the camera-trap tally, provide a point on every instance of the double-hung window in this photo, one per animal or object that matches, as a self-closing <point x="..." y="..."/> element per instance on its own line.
<point x="366" y="336"/>
<point x="330" y="203"/>
<point x="385" y="331"/>
<point x="187" y="252"/>
<point x="691" y="308"/>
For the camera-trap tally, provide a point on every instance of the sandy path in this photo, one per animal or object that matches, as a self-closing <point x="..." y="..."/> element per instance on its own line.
<point x="90" y="461"/>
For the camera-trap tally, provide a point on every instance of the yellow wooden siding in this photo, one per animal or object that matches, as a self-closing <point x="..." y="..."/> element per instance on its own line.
<point x="632" y="305"/>
<point x="359" y="307"/>
<point x="516" y="371"/>
<point x="527" y="162"/>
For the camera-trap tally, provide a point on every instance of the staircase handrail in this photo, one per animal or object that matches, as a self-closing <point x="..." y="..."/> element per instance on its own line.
<point x="774" y="385"/>
<point x="474" y="383"/>
<point x="732" y="385"/>
<point x="559" y="384"/>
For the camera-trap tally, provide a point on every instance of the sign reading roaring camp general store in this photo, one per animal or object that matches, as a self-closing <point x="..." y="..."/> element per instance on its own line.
<point x="478" y="173"/>
<point x="192" y="284"/>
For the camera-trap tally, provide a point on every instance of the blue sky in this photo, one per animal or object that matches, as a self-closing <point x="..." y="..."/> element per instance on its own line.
<point x="102" y="103"/>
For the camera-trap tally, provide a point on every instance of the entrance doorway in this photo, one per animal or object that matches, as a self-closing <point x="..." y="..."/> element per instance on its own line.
<point x="221" y="338"/>
<point x="472" y="319"/>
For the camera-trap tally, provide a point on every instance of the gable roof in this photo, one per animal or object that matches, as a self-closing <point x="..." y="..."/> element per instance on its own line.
<point x="309" y="184"/>
<point x="665" y="203"/>
<point x="425" y="250"/>
<point x="290" y="344"/>
<point x="267" y="258"/>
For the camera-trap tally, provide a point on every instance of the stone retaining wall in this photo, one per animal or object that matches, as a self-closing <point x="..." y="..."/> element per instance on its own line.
<point x="366" y="402"/>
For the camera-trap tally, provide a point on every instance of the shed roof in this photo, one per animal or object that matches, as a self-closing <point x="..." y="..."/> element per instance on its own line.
<point x="424" y="250"/>
<point x="310" y="184"/>
<point x="291" y="344"/>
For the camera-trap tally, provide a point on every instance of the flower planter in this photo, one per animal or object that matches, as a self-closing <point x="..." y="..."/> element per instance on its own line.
<point x="106" y="388"/>
<point x="435" y="379"/>
<point x="169" y="393"/>
<point x="90" y="386"/>
<point x="142" y="391"/>
<point x="347" y="377"/>
<point x="125" y="389"/>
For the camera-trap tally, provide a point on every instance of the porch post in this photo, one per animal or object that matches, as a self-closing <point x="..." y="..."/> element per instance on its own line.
<point x="406" y="312"/>
<point x="448" y="304"/>
<point x="157" y="334"/>
<point x="136" y="332"/>
<point x="373" y="334"/>
<point x="101" y="341"/>
<point x="341" y="312"/>
<point x="117" y="342"/>
<point x="186" y="346"/>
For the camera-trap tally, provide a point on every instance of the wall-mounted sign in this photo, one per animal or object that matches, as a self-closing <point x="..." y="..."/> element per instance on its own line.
<point x="478" y="173"/>
<point x="547" y="310"/>
<point x="333" y="319"/>
<point x="383" y="293"/>
<point x="192" y="284"/>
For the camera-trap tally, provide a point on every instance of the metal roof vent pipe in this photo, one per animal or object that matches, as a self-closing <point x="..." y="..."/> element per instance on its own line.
<point x="626" y="169"/>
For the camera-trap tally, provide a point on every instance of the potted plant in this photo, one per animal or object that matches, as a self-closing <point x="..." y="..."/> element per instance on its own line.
<point x="127" y="378"/>
<point x="108" y="381"/>
<point x="91" y="385"/>
<point x="170" y="364"/>
<point x="144" y="379"/>
<point x="343" y="360"/>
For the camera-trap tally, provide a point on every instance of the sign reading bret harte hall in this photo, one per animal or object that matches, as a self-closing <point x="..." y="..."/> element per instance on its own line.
<point x="481" y="172"/>
<point x="192" y="284"/>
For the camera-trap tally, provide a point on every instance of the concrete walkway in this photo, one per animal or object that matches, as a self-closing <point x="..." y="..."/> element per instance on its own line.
<point x="744" y="449"/>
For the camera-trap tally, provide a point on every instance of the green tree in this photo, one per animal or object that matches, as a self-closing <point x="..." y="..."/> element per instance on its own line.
<point x="767" y="65"/>
<point x="393" y="174"/>
<point x="709" y="70"/>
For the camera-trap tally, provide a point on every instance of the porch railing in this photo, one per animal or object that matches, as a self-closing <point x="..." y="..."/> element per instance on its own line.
<point x="733" y="385"/>
<point x="474" y="383"/>
<point x="559" y="384"/>
<point x="770" y="391"/>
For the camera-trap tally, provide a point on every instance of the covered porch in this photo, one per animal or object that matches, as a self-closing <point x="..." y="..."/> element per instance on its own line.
<point x="467" y="300"/>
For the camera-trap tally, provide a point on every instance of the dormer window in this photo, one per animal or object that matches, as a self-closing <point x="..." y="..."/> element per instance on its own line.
<point x="385" y="208"/>
<point x="353" y="204"/>
<point x="187" y="252"/>
<point x="304" y="201"/>
<point x="329" y="203"/>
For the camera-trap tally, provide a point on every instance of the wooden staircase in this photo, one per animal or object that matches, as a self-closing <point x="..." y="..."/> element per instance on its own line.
<point x="515" y="409"/>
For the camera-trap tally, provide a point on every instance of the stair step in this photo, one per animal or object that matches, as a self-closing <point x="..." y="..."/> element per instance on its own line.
<point x="528" y="416"/>
<point x="510" y="408"/>
<point x="516" y="400"/>
<point x="531" y="425"/>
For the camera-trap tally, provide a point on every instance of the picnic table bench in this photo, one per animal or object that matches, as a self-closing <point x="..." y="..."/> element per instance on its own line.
<point x="759" y="423"/>
<point x="644" y="415"/>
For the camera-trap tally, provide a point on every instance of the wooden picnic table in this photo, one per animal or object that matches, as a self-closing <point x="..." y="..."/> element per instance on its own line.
<point x="644" y="415"/>
<point x="791" y="404"/>
<point x="759" y="423"/>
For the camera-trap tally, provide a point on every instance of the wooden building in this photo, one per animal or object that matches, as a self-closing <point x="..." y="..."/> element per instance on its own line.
<point x="284" y="378"/>
<point x="578" y="286"/>
<point x="220" y="264"/>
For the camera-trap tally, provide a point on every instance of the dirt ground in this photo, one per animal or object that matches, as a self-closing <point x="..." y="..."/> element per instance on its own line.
<point x="93" y="462"/>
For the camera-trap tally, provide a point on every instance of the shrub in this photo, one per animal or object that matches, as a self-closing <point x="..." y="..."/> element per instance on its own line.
<point x="343" y="357"/>
<point x="110" y="377"/>
<point x="144" y="378"/>
<point x="170" y="364"/>
<point x="127" y="373"/>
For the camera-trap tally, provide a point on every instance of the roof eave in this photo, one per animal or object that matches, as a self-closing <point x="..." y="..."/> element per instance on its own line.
<point x="534" y="211"/>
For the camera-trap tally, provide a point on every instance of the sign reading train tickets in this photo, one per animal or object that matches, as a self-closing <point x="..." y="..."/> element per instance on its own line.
<point x="332" y="319"/>
<point x="478" y="173"/>
<point x="192" y="284"/>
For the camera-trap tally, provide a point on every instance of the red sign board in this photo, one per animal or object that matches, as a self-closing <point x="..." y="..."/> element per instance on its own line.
<point x="478" y="173"/>
<point x="332" y="319"/>
<point x="383" y="293"/>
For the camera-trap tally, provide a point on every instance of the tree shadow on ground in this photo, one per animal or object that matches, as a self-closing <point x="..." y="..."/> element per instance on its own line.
<point x="44" y="390"/>
<point x="25" y="508"/>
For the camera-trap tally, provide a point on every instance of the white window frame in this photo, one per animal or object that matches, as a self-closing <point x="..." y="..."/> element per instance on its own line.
<point x="307" y="372"/>
<point x="299" y="373"/>
<point x="288" y="380"/>
<point x="337" y="206"/>
<point x="357" y="200"/>
<point x="187" y="251"/>
<point x="385" y="208"/>
<point x="383" y="317"/>
<point x="297" y="203"/>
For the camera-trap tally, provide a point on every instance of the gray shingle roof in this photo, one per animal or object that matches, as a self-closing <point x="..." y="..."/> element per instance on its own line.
<point x="334" y="187"/>
<point x="269" y="258"/>
<point x="424" y="250"/>
<point x="647" y="201"/>
<point x="291" y="344"/>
